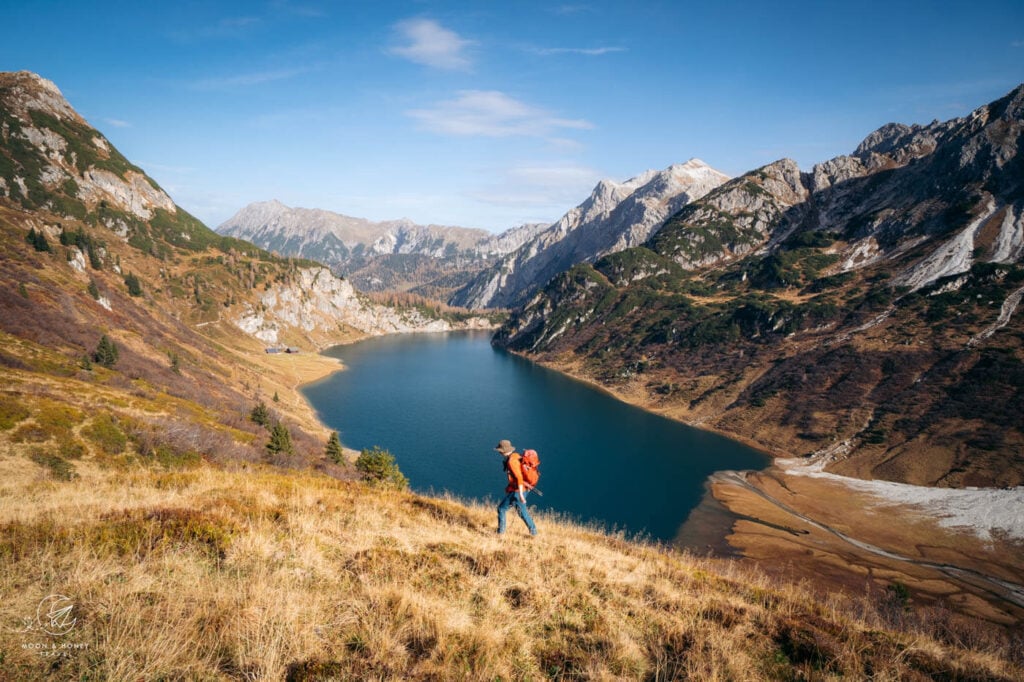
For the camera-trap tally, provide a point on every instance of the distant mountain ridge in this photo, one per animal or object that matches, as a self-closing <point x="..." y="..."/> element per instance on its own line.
<point x="615" y="216"/>
<point x="473" y="268"/>
<point x="865" y="312"/>
<point x="375" y="256"/>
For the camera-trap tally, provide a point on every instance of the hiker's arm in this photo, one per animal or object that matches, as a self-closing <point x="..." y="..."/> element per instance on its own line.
<point x="517" y="472"/>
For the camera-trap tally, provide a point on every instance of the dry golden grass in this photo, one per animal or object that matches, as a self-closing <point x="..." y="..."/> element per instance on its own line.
<point x="254" y="573"/>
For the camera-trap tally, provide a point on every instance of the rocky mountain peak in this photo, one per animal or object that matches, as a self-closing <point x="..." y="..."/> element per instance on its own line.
<point x="614" y="217"/>
<point x="24" y="91"/>
<point x="58" y="161"/>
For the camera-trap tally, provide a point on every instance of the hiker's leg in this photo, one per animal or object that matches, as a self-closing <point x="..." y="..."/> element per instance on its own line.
<point x="524" y="514"/>
<point x="503" y="506"/>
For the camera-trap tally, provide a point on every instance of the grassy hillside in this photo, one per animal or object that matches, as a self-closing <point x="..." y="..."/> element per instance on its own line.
<point x="199" y="572"/>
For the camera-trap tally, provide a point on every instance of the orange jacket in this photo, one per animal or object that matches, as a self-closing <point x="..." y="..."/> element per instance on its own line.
<point x="514" y="473"/>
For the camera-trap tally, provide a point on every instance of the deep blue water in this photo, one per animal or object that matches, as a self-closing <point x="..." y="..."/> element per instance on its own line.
<point x="441" y="402"/>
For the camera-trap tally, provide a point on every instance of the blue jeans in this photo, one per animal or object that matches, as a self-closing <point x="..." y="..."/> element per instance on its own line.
<point x="512" y="499"/>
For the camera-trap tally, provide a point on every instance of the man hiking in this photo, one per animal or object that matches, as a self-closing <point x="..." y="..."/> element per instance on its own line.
<point x="515" y="491"/>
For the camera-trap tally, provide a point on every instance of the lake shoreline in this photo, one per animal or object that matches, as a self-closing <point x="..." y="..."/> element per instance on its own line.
<point x="777" y="538"/>
<point x="752" y="527"/>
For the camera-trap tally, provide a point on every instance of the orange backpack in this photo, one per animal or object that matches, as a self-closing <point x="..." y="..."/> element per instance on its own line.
<point x="530" y="465"/>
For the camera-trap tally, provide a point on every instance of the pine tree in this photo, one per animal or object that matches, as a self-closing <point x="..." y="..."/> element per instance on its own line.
<point x="106" y="352"/>
<point x="280" y="441"/>
<point x="260" y="414"/>
<point x="334" y="451"/>
<point x="93" y="290"/>
<point x="276" y="398"/>
<point x="132" y="282"/>
<point x="37" y="239"/>
<point x="94" y="257"/>
<point x="378" y="467"/>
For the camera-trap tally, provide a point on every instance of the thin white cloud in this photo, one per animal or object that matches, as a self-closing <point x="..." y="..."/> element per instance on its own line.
<point x="490" y="113"/>
<point x="1017" y="43"/>
<point x="247" y="79"/>
<point x="117" y="123"/>
<point x="587" y="51"/>
<point x="427" y="42"/>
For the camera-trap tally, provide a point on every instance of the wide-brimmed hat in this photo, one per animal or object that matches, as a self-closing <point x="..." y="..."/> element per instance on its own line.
<point x="505" y="447"/>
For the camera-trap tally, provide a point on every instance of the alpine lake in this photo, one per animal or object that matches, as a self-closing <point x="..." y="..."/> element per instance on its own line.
<point x="441" y="402"/>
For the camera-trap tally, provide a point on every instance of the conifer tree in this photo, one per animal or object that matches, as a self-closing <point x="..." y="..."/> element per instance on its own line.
<point x="334" y="451"/>
<point x="37" y="239"/>
<point x="106" y="352"/>
<point x="280" y="441"/>
<point x="94" y="257"/>
<point x="260" y="414"/>
<point x="93" y="290"/>
<point x="378" y="467"/>
<point x="132" y="282"/>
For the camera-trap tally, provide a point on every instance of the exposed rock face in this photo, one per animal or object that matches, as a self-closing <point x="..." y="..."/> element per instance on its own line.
<point x="38" y="118"/>
<point x="615" y="216"/>
<point x="865" y="312"/>
<point x="319" y="301"/>
<point x="375" y="256"/>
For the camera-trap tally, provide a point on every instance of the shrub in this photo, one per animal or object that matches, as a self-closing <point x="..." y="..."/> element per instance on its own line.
<point x="378" y="467"/>
<point x="12" y="411"/>
<point x="59" y="468"/>
<point x="106" y="434"/>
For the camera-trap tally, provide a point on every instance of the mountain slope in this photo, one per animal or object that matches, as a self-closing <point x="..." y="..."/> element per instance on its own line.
<point x="93" y="249"/>
<point x="395" y="255"/>
<point x="229" y="575"/>
<point x="614" y="217"/>
<point x="863" y="312"/>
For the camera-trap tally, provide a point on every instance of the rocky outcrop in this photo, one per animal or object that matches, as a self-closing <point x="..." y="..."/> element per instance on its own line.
<point x="70" y="158"/>
<point x="615" y="216"/>
<point x="319" y="301"/>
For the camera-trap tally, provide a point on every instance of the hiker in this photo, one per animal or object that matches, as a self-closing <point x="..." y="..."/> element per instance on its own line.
<point x="515" y="491"/>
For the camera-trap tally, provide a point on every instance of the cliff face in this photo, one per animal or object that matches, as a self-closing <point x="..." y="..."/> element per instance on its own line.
<point x="863" y="312"/>
<point x="319" y="304"/>
<point x="615" y="216"/>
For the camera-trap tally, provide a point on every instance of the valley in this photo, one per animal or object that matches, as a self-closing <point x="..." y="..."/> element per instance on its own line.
<point x="166" y="472"/>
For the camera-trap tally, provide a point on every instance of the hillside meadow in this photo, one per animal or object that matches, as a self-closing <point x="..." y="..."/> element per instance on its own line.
<point x="193" y="571"/>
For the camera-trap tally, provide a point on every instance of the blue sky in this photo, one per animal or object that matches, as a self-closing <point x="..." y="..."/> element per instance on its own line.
<point x="489" y="114"/>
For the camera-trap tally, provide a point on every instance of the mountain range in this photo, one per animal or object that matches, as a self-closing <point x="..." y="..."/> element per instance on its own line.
<point x="169" y="493"/>
<point x="395" y="255"/>
<point x="473" y="268"/>
<point x="862" y="313"/>
<point x="615" y="216"/>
